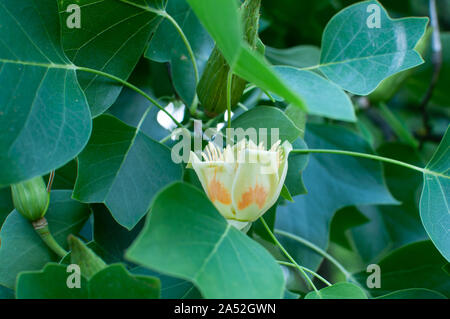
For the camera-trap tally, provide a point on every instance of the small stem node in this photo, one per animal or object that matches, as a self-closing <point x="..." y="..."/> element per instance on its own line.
<point x="41" y="228"/>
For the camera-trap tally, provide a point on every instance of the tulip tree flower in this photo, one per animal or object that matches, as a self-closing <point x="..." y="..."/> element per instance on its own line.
<point x="244" y="180"/>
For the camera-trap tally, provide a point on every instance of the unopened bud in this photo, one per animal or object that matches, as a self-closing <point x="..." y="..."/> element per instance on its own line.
<point x="31" y="198"/>
<point x="212" y="88"/>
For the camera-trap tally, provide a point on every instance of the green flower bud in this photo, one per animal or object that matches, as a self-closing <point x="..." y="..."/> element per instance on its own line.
<point x="84" y="257"/>
<point x="212" y="88"/>
<point x="31" y="198"/>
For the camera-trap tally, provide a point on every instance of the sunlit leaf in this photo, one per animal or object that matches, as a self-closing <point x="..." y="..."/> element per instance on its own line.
<point x="44" y="117"/>
<point x="434" y="202"/>
<point x="358" y="53"/>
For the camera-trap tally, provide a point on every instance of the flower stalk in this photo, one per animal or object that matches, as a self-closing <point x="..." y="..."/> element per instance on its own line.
<point x="41" y="228"/>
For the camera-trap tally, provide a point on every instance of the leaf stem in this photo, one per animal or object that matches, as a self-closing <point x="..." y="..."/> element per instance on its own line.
<point x="163" y="13"/>
<point x="288" y="264"/>
<point x="41" y="228"/>
<point x="229" y="84"/>
<point x="131" y="86"/>
<point x="320" y="251"/>
<point x="186" y="42"/>
<point x="292" y="260"/>
<point x="369" y="156"/>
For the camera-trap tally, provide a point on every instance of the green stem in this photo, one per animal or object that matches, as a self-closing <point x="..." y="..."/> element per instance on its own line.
<point x="292" y="260"/>
<point x="229" y="84"/>
<point x="369" y="156"/>
<point x="163" y="13"/>
<point x="41" y="228"/>
<point x="285" y="263"/>
<point x="131" y="86"/>
<point x="186" y="43"/>
<point x="318" y="250"/>
<point x="397" y="126"/>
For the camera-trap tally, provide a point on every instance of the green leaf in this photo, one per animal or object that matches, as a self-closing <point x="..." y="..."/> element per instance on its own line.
<point x="333" y="182"/>
<point x="341" y="290"/>
<point x="344" y="220"/>
<point x="417" y="265"/>
<point x="296" y="165"/>
<point x="413" y="293"/>
<point x="122" y="168"/>
<point x="220" y="260"/>
<point x="267" y="118"/>
<point x="112" y="38"/>
<point x="83" y="256"/>
<point x="434" y="207"/>
<point x="221" y="19"/>
<point x="392" y="226"/>
<point x="6" y="293"/>
<point x="113" y="282"/>
<point x="153" y="79"/>
<point x="111" y="241"/>
<point x="65" y="176"/>
<point x="167" y="46"/>
<point x="6" y="204"/>
<point x="358" y="57"/>
<point x="321" y="96"/>
<point x="41" y="104"/>
<point x="301" y="56"/>
<point x="22" y="249"/>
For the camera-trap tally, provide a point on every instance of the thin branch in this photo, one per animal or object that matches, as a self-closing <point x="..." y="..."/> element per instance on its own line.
<point x="436" y="58"/>
<point x="50" y="181"/>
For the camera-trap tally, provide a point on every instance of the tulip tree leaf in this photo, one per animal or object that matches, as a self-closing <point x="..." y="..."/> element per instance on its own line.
<point x="321" y="96"/>
<point x="123" y="168"/>
<point x="6" y="293"/>
<point x="111" y="38"/>
<point x="167" y="46"/>
<point x="301" y="56"/>
<point x="111" y="241"/>
<point x="222" y="20"/>
<point x="333" y="182"/>
<point x="358" y="53"/>
<point x="420" y="260"/>
<point x="389" y="227"/>
<point x="22" y="249"/>
<point x="44" y="116"/>
<point x="129" y="107"/>
<point x="220" y="260"/>
<point x="6" y="204"/>
<point x="341" y="290"/>
<point x="113" y="282"/>
<point x="434" y="202"/>
<point x="268" y="119"/>
<point x="413" y="293"/>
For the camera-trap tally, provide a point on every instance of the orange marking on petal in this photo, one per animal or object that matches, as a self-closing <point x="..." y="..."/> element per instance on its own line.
<point x="216" y="191"/>
<point x="257" y="195"/>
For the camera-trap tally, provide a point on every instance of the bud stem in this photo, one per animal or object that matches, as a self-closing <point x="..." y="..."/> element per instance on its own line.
<point x="292" y="260"/>
<point x="41" y="228"/>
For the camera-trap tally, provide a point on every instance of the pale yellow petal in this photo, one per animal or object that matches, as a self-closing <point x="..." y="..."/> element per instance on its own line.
<point x="217" y="181"/>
